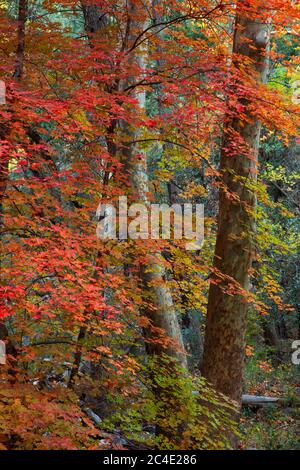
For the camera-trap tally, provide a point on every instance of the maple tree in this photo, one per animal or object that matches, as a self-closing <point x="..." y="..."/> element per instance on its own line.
<point x="105" y="99"/>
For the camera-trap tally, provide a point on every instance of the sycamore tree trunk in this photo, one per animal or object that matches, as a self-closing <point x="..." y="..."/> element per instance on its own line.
<point x="157" y="296"/>
<point x="227" y="314"/>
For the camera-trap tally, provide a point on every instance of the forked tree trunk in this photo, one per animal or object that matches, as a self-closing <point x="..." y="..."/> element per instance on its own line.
<point x="227" y="314"/>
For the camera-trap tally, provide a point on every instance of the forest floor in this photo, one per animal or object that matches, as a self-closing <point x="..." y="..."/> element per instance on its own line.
<point x="272" y="427"/>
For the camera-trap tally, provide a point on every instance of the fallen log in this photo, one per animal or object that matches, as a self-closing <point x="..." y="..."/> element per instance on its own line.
<point x="259" y="400"/>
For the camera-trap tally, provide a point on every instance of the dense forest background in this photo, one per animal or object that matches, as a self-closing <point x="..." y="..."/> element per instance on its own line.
<point x="142" y="344"/>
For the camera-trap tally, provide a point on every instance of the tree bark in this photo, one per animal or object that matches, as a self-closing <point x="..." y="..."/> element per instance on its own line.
<point x="94" y="20"/>
<point x="4" y="130"/>
<point x="227" y="314"/>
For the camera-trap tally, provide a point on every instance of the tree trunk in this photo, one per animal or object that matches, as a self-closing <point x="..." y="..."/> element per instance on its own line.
<point x="272" y="339"/>
<point x="161" y="313"/>
<point x="22" y="17"/>
<point x="4" y="153"/>
<point x="227" y="314"/>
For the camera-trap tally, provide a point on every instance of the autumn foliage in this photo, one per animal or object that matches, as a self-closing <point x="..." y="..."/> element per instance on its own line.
<point x="75" y="304"/>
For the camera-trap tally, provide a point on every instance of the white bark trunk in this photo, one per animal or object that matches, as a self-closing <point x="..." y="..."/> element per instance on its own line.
<point x="163" y="314"/>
